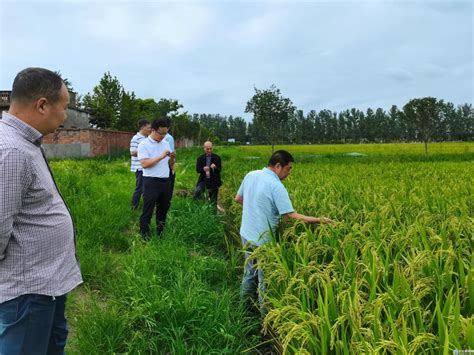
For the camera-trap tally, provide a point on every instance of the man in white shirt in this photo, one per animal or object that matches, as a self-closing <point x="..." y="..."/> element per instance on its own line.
<point x="156" y="159"/>
<point x="135" y="167"/>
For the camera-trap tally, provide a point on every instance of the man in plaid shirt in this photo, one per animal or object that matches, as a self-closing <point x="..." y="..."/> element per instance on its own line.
<point x="38" y="263"/>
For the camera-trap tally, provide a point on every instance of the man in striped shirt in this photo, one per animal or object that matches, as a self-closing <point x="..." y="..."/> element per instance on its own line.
<point x="38" y="263"/>
<point x="143" y="132"/>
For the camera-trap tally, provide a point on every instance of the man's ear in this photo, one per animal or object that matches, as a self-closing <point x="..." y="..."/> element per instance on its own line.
<point x="40" y="104"/>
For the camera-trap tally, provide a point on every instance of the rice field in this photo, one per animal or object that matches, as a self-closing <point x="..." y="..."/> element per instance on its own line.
<point x="394" y="275"/>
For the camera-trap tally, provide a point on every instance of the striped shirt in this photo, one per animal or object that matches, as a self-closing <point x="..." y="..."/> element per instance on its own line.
<point x="37" y="238"/>
<point x="135" y="163"/>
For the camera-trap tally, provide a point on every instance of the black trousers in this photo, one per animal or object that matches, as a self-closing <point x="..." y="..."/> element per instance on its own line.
<point x="156" y="193"/>
<point x="172" y="179"/>
<point x="211" y="191"/>
<point x="138" y="189"/>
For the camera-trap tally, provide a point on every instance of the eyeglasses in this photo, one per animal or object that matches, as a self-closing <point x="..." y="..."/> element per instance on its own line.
<point x="161" y="134"/>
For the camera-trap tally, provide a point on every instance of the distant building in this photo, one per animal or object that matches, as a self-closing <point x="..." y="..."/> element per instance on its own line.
<point x="75" y="138"/>
<point x="231" y="140"/>
<point x="76" y="117"/>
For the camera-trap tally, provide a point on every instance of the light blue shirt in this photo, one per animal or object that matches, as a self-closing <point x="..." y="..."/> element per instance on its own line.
<point x="149" y="148"/>
<point x="265" y="200"/>
<point x="169" y="138"/>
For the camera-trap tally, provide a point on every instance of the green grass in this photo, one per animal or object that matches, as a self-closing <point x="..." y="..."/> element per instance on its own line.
<point x="394" y="275"/>
<point x="177" y="295"/>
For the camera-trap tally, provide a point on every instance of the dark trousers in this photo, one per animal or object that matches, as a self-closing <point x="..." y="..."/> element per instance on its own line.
<point x="33" y="324"/>
<point x="138" y="189"/>
<point x="172" y="179"/>
<point x="211" y="191"/>
<point x="156" y="193"/>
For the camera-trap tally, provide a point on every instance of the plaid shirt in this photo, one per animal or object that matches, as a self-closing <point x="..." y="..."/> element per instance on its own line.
<point x="37" y="238"/>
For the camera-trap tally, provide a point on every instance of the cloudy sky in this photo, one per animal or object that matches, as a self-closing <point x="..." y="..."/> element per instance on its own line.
<point x="209" y="55"/>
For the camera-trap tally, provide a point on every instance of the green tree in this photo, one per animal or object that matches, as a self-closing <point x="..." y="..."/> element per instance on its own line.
<point x="381" y="131"/>
<point x="105" y="102"/>
<point x="168" y="107"/>
<point x="315" y="122"/>
<point x="394" y="124"/>
<point x="66" y="81"/>
<point x="129" y="114"/>
<point x="424" y="115"/>
<point x="271" y="114"/>
<point x="465" y="119"/>
<point x="237" y="128"/>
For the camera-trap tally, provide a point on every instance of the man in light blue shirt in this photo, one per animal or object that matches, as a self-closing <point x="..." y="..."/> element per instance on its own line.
<point x="169" y="138"/>
<point x="156" y="158"/>
<point x="265" y="200"/>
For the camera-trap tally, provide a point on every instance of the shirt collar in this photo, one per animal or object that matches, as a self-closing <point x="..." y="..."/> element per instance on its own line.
<point x="271" y="173"/>
<point x="25" y="130"/>
<point x="154" y="141"/>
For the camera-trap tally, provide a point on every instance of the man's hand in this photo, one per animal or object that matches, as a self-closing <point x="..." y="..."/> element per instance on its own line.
<point x="239" y="199"/>
<point x="213" y="166"/>
<point x="165" y="154"/>
<point x="325" y="220"/>
<point x="308" y="219"/>
<point x="206" y="168"/>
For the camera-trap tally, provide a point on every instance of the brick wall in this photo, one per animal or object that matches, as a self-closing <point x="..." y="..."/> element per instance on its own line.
<point x="87" y="142"/>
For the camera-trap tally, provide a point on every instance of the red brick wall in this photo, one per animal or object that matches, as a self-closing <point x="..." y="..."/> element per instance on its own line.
<point x="101" y="141"/>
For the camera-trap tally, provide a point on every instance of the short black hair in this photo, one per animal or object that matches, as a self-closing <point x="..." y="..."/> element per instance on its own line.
<point x="142" y="123"/>
<point x="32" y="83"/>
<point x="280" y="156"/>
<point x="168" y="122"/>
<point x="159" y="122"/>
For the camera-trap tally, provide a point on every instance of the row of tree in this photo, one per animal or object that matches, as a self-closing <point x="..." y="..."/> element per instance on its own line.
<point x="276" y="120"/>
<point x="112" y="107"/>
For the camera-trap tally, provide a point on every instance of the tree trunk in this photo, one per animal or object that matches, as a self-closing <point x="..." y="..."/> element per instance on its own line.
<point x="426" y="147"/>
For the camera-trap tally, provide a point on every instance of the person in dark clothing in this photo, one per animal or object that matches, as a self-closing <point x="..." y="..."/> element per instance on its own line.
<point x="209" y="168"/>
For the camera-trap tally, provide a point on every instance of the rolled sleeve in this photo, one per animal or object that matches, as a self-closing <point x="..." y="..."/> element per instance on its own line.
<point x="13" y="179"/>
